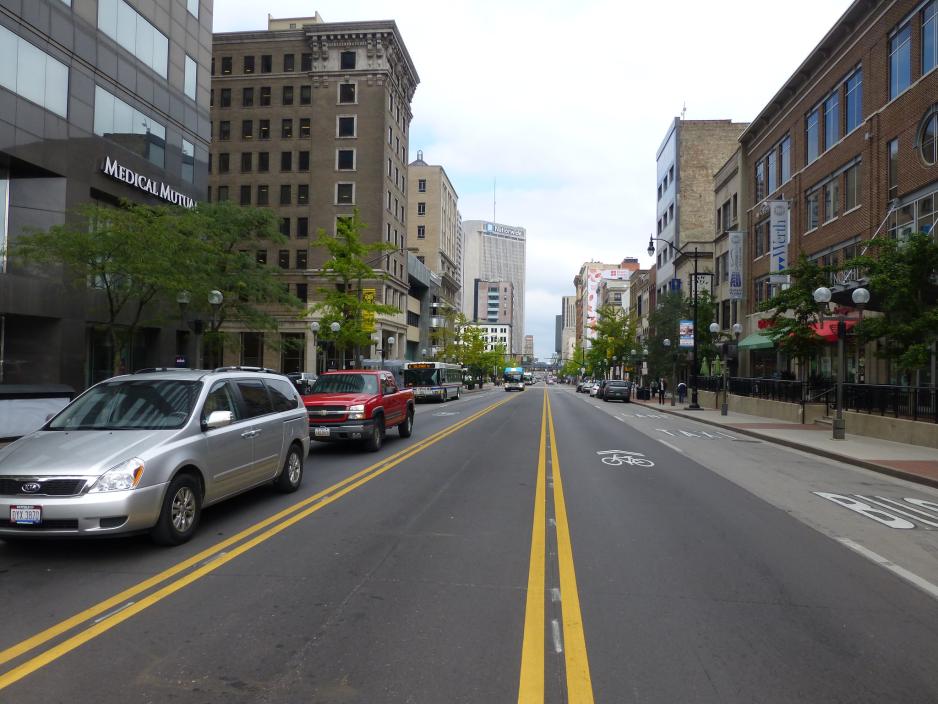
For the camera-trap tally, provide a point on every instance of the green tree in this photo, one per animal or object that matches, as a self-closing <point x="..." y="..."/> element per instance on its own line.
<point x="348" y="265"/>
<point x="615" y="337"/>
<point x="664" y="324"/>
<point x="794" y="310"/>
<point x="903" y="281"/>
<point x="135" y="256"/>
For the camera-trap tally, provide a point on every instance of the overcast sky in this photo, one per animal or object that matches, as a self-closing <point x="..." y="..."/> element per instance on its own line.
<point x="565" y="105"/>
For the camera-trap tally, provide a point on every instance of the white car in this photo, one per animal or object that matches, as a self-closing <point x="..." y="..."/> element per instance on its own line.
<point x="594" y="388"/>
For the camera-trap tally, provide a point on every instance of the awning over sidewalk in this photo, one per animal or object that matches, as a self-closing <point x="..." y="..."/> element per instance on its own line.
<point x="756" y="341"/>
<point x="828" y="328"/>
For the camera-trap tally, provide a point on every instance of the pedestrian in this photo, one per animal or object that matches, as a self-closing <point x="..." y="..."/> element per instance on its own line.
<point x="681" y="392"/>
<point x="654" y="388"/>
<point x="661" y="389"/>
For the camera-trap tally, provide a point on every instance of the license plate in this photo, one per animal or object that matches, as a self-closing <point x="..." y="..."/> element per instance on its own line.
<point x="321" y="432"/>
<point x="26" y="515"/>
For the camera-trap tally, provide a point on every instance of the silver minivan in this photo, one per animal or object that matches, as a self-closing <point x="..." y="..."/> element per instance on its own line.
<point x="147" y="451"/>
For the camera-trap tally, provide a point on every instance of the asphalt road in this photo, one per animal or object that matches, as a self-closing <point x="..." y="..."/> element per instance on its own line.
<point x="494" y="557"/>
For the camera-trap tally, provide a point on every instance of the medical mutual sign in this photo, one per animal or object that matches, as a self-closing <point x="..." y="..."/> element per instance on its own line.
<point x="778" y="237"/>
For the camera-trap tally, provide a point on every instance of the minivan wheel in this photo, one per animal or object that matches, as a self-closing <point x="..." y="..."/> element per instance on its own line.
<point x="291" y="475"/>
<point x="182" y="508"/>
<point x="373" y="443"/>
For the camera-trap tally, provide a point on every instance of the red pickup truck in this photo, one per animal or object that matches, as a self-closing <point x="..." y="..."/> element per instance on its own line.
<point x="358" y="405"/>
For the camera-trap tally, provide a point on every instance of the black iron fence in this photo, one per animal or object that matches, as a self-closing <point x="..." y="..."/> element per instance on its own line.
<point x="910" y="402"/>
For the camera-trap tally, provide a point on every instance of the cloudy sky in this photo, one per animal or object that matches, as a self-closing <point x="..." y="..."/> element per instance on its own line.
<point x="565" y="105"/>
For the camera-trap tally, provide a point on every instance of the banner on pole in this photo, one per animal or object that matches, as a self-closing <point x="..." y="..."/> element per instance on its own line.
<point x="686" y="333"/>
<point x="736" y="265"/>
<point x="778" y="232"/>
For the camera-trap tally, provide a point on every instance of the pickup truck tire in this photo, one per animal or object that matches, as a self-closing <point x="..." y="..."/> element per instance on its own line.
<point x="373" y="443"/>
<point x="407" y="427"/>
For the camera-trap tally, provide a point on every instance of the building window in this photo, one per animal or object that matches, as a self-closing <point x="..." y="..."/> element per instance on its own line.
<point x="421" y="232"/>
<point x="267" y="63"/>
<point x="225" y="98"/>
<point x="304" y="128"/>
<point x="286" y="195"/>
<point x="306" y="95"/>
<point x="283" y="259"/>
<point x="287" y="95"/>
<point x="286" y="161"/>
<point x="32" y="74"/>
<point x="223" y="162"/>
<point x="224" y="130"/>
<point x="288" y="60"/>
<point x="302" y="194"/>
<point x="193" y="7"/>
<point x="831" y="200"/>
<point x="301" y="258"/>
<point x="247" y="129"/>
<point x="929" y="138"/>
<point x="811" y="136"/>
<point x="263" y="129"/>
<point x="286" y="128"/>
<point x="306" y="62"/>
<point x="245" y="198"/>
<point x="784" y="149"/>
<point x="929" y="37"/>
<point x="345" y="194"/>
<point x="347" y="60"/>
<point x="116" y="120"/>
<point x="831" y="120"/>
<point x="188" y="162"/>
<point x="302" y="292"/>
<point x="222" y="194"/>
<point x="247" y="97"/>
<point x="246" y="159"/>
<point x="852" y="187"/>
<point x="900" y="61"/>
<point x="892" y="168"/>
<point x="285" y="227"/>
<point x="760" y="180"/>
<point x="303" y="161"/>
<point x="421" y="208"/>
<point x="133" y="32"/>
<point x="853" y="108"/>
<point x="260" y="256"/>
<point x="189" y="80"/>
<point x="771" y="171"/>
<point x="346" y="93"/>
<point x="263" y="195"/>
<point x="811" y="211"/>
<point x="421" y="185"/>
<point x="302" y="227"/>
<point x="345" y="126"/>
<point x="345" y="159"/>
<point x="263" y="161"/>
<point x="265" y="96"/>
<point x="248" y="66"/>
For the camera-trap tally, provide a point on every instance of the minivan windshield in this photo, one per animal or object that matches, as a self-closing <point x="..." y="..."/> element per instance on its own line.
<point x="130" y="404"/>
<point x="345" y="384"/>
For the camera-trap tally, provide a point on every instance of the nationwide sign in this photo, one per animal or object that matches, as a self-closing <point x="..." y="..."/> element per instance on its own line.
<point x="736" y="265"/>
<point x="503" y="230"/>
<point x="145" y="183"/>
<point x="778" y="233"/>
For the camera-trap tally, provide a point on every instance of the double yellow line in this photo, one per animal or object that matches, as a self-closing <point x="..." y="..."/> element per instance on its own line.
<point x="576" y="662"/>
<point x="120" y="607"/>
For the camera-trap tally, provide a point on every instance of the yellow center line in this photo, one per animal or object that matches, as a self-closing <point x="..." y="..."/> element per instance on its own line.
<point x="324" y="498"/>
<point x="579" y="683"/>
<point x="531" y="688"/>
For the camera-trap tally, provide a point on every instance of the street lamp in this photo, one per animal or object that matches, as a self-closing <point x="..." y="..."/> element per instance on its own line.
<point x="615" y="366"/>
<point x="423" y="353"/>
<point x="667" y="348"/>
<point x="715" y="329"/>
<point x="860" y="297"/>
<point x="314" y="330"/>
<point x="694" y="405"/>
<point x="334" y="327"/>
<point x="197" y="325"/>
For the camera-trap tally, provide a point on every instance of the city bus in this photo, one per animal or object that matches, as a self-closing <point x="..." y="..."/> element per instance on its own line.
<point x="433" y="380"/>
<point x="514" y="379"/>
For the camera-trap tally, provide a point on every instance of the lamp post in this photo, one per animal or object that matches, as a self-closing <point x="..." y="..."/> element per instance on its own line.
<point x="314" y="330"/>
<point x="423" y="353"/>
<point x="334" y="327"/>
<point x="197" y="325"/>
<point x="667" y="348"/>
<point x="615" y="365"/>
<point x="694" y="405"/>
<point x="860" y="298"/>
<point x="724" y="406"/>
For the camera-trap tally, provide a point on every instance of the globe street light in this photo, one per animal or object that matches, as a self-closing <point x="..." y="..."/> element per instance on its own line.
<point x="822" y="296"/>
<point x="335" y="327"/>
<point x="314" y="330"/>
<point x="197" y="325"/>
<point x="860" y="297"/>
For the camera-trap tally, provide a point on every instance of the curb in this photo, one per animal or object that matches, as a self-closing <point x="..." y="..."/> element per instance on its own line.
<point x="846" y="459"/>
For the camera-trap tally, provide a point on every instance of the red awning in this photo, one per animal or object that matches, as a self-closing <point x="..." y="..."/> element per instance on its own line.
<point x="828" y="328"/>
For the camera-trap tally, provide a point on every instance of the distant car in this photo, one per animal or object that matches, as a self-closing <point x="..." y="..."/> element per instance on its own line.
<point x="583" y="386"/>
<point x="594" y="389"/>
<point x="146" y="451"/>
<point x="617" y="390"/>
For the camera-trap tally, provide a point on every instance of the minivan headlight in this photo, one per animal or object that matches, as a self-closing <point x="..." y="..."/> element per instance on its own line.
<point x="356" y="411"/>
<point x="122" y="477"/>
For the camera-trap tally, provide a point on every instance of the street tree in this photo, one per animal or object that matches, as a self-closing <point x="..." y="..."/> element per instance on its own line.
<point x="132" y="257"/>
<point x="350" y="262"/>
<point x="793" y="311"/>
<point x="903" y="283"/>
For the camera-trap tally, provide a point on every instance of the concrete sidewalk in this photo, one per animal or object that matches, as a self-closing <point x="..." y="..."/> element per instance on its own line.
<point x="911" y="462"/>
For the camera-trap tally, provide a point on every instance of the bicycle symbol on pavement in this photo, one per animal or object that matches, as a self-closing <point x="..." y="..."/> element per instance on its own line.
<point x="617" y="458"/>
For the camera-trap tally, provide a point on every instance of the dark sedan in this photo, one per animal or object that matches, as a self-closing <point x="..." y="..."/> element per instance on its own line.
<point x="616" y="390"/>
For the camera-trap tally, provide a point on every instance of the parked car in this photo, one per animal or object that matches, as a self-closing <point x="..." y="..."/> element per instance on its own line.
<point x="147" y="451"/>
<point x="584" y="386"/>
<point x="616" y="390"/>
<point x="594" y="389"/>
<point x="358" y="405"/>
<point x="601" y="388"/>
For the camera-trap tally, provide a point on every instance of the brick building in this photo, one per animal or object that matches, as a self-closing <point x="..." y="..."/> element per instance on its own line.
<point x="312" y="119"/>
<point x="848" y="142"/>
